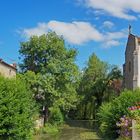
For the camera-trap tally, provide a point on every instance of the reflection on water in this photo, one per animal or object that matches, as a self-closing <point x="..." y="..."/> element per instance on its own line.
<point x="75" y="130"/>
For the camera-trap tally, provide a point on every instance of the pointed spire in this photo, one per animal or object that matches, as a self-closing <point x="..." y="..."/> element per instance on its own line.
<point x="130" y="28"/>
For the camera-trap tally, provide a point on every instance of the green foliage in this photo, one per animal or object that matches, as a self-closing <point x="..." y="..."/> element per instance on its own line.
<point x="50" y="129"/>
<point x="110" y="113"/>
<point x="56" y="116"/>
<point x="96" y="85"/>
<point x="135" y="115"/>
<point x="49" y="67"/>
<point x="89" y="136"/>
<point x="96" y="69"/>
<point x="104" y="117"/>
<point x="115" y="73"/>
<point x="16" y="109"/>
<point x="88" y="88"/>
<point x="137" y="126"/>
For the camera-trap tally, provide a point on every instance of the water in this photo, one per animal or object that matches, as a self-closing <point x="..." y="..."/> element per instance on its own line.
<point x="74" y="130"/>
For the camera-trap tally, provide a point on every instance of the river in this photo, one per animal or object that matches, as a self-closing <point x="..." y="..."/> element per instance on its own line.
<point x="74" y="130"/>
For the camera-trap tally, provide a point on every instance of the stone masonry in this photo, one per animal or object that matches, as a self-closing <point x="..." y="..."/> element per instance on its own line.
<point x="131" y="68"/>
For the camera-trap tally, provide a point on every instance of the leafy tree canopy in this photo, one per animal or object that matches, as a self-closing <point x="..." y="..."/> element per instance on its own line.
<point x="53" y="72"/>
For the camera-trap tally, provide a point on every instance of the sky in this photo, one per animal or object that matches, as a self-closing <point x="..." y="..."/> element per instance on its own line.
<point x="89" y="26"/>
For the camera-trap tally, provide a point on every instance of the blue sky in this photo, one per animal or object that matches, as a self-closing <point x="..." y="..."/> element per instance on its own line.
<point x="99" y="26"/>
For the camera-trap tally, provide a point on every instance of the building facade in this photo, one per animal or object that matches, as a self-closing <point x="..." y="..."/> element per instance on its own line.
<point x="7" y="70"/>
<point x="131" y="68"/>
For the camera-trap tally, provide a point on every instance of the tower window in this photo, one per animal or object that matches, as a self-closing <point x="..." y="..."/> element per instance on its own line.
<point x="129" y="66"/>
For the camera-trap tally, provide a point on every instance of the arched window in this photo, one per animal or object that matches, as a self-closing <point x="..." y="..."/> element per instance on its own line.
<point x="129" y="66"/>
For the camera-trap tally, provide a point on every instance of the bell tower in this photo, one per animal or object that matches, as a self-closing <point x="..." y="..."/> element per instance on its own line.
<point x="131" y="67"/>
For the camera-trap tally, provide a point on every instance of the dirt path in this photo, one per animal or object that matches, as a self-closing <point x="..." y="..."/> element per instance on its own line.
<point x="74" y="130"/>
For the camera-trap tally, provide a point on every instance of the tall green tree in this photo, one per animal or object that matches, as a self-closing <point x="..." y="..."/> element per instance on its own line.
<point x="95" y="86"/>
<point x="54" y="65"/>
<point x="93" y="73"/>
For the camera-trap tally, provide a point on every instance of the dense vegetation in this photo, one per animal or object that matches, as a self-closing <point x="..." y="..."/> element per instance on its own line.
<point x="49" y="67"/>
<point x="99" y="83"/>
<point x="110" y="113"/>
<point x="50" y="85"/>
<point x="58" y="87"/>
<point x="17" y="110"/>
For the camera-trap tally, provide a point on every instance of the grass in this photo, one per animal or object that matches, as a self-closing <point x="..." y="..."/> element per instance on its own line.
<point x="48" y="129"/>
<point x="89" y="136"/>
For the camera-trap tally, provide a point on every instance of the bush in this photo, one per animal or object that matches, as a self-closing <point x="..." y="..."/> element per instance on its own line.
<point x="104" y="118"/>
<point x="109" y="114"/>
<point x="125" y="125"/>
<point x="56" y="116"/>
<point x="135" y="115"/>
<point x="50" y="129"/>
<point x="16" y="110"/>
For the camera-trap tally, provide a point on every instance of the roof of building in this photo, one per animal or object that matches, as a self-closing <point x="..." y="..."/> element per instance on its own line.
<point x="13" y="66"/>
<point x="135" y="36"/>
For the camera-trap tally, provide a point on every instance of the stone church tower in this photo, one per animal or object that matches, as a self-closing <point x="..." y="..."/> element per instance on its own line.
<point x="131" y="68"/>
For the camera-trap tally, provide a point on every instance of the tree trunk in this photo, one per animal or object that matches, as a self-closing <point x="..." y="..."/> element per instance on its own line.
<point x="99" y="102"/>
<point x="94" y="109"/>
<point x="85" y="111"/>
<point x="45" y="115"/>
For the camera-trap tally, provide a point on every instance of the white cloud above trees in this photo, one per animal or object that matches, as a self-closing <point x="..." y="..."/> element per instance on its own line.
<point x="74" y="32"/>
<point x="77" y="32"/>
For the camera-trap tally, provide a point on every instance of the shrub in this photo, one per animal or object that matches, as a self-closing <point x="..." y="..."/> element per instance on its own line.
<point x="50" y="129"/>
<point x="104" y="118"/>
<point x="125" y="125"/>
<point x="135" y="115"/>
<point x="111" y="113"/>
<point x="47" y="129"/>
<point x="56" y="116"/>
<point x="16" y="110"/>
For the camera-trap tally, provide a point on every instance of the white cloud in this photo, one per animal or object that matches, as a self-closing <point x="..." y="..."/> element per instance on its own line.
<point x="42" y="28"/>
<point x="113" y="38"/>
<point x="77" y="32"/>
<point x="116" y="8"/>
<point x="108" y="24"/>
<point x="110" y="43"/>
<point x="116" y="35"/>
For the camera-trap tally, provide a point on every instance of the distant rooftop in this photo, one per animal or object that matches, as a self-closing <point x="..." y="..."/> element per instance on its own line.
<point x="13" y="66"/>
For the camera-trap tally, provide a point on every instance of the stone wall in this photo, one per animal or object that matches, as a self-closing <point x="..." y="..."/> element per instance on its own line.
<point x="7" y="71"/>
<point x="135" y="134"/>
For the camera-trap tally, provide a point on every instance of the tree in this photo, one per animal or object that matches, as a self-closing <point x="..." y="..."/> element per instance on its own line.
<point x="42" y="90"/>
<point x="54" y="66"/>
<point x="92" y="74"/>
<point x="17" y="110"/>
<point x="113" y="83"/>
<point x="97" y="82"/>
